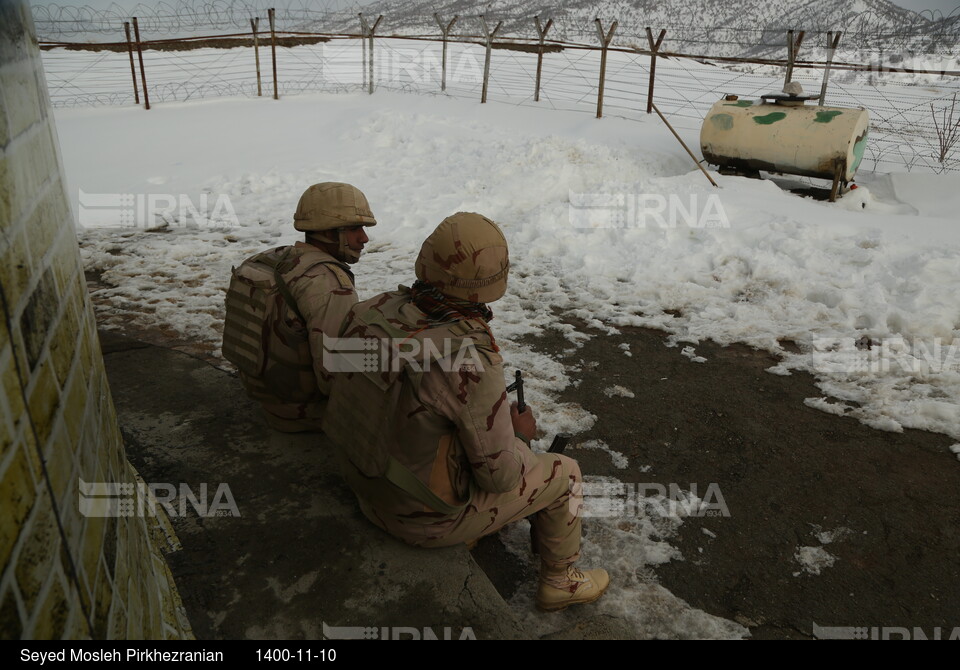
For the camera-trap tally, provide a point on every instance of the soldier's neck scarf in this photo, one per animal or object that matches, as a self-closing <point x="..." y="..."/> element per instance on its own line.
<point x="442" y="308"/>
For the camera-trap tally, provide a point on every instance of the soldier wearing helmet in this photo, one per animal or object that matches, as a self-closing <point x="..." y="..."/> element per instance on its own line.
<point x="427" y="440"/>
<point x="281" y="302"/>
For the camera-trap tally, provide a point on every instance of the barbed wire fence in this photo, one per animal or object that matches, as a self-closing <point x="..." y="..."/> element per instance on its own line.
<point x="900" y="89"/>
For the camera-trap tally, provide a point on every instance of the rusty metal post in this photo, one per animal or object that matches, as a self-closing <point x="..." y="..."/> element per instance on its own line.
<point x="255" y="24"/>
<point x="832" y="41"/>
<point x="604" y="43"/>
<point x="143" y="75"/>
<point x="363" y="47"/>
<point x="369" y="31"/>
<point x="486" y="62"/>
<point x="654" y="48"/>
<point x="542" y="33"/>
<point x="684" y="144"/>
<point x="445" y="30"/>
<point x="133" y="68"/>
<point x="273" y="49"/>
<point x="793" y="48"/>
<point x="372" y="31"/>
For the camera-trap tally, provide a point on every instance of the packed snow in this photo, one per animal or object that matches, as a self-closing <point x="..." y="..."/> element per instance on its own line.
<point x="871" y="296"/>
<point x="813" y="560"/>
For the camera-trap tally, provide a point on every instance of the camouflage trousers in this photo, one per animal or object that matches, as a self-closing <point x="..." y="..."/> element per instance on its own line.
<point x="549" y="493"/>
<point x="300" y="418"/>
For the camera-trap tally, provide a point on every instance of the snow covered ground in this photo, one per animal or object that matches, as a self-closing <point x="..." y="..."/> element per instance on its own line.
<point x="867" y="288"/>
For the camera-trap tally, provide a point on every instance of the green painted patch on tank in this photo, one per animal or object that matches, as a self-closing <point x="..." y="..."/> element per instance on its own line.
<point x="858" y="148"/>
<point x="767" y="119"/>
<point x="827" y="117"/>
<point x="722" y="121"/>
<point x="739" y="103"/>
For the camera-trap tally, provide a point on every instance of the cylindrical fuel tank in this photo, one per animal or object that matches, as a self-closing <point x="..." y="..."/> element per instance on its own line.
<point x="803" y="139"/>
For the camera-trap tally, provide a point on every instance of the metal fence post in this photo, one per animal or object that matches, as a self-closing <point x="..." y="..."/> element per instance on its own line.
<point x="654" y="48"/>
<point x="445" y="30"/>
<point x="143" y="75"/>
<point x="542" y="33"/>
<point x="604" y="43"/>
<point x="255" y="23"/>
<point x="793" y="47"/>
<point x="486" y="63"/>
<point x="363" y="47"/>
<point x="133" y="68"/>
<point x="833" y="39"/>
<point x="368" y="32"/>
<point x="273" y="50"/>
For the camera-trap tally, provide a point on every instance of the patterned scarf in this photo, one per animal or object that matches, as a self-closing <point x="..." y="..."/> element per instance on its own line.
<point x="442" y="308"/>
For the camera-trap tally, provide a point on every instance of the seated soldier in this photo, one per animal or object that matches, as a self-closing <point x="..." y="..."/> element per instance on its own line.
<point x="282" y="301"/>
<point x="426" y="438"/>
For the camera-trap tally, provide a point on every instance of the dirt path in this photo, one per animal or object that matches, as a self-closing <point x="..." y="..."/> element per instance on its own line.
<point x="786" y="472"/>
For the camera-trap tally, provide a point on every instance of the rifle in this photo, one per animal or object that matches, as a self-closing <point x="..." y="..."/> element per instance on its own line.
<point x="561" y="440"/>
<point x="517" y="386"/>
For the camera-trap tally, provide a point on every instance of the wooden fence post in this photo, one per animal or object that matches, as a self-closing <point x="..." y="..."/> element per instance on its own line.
<point x="833" y="39"/>
<point x="273" y="50"/>
<point x="143" y="75"/>
<point x="486" y="62"/>
<point x="542" y="33"/>
<point x="793" y="47"/>
<point x="654" y="48"/>
<point x="133" y="68"/>
<point x="604" y="43"/>
<point x="445" y="29"/>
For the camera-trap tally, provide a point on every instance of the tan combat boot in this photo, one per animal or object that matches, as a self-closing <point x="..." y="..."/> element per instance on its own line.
<point x="562" y="585"/>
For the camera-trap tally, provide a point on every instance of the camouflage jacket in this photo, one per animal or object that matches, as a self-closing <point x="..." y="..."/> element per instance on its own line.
<point x="451" y="426"/>
<point x="295" y="385"/>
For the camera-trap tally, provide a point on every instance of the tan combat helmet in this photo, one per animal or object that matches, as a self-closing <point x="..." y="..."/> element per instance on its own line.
<point x="466" y="257"/>
<point x="330" y="206"/>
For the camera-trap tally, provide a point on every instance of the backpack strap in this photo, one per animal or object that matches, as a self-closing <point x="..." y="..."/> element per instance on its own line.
<point x="343" y="277"/>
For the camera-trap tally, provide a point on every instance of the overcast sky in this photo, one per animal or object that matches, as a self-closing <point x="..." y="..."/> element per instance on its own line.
<point x="945" y="6"/>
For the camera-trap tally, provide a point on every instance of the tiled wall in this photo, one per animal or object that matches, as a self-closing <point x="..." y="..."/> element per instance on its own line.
<point x="65" y="574"/>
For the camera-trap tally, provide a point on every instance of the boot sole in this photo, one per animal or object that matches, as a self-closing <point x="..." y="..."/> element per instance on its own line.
<point x="559" y="607"/>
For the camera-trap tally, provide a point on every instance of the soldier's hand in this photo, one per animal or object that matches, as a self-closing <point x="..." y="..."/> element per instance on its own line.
<point x="525" y="424"/>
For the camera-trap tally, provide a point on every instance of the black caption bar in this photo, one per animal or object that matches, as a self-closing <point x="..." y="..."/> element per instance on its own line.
<point x="314" y="653"/>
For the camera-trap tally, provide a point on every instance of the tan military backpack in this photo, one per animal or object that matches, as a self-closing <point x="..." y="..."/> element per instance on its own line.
<point x="255" y="299"/>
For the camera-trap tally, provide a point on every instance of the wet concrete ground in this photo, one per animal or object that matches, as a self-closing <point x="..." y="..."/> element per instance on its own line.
<point x="787" y="473"/>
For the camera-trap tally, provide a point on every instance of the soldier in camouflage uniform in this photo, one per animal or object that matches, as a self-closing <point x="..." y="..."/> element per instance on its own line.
<point x="278" y="348"/>
<point x="427" y="439"/>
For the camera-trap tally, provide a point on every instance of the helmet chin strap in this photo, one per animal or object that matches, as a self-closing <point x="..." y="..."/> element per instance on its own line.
<point x="335" y="243"/>
<point x="346" y="253"/>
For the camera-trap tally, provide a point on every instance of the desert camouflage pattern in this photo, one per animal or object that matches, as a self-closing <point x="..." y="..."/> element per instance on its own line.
<point x="294" y="386"/>
<point x="452" y="429"/>
<point x="466" y="257"/>
<point x="331" y="205"/>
